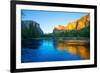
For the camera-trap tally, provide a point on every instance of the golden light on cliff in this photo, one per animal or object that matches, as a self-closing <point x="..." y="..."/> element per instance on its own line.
<point x="60" y="27"/>
<point x="76" y="25"/>
<point x="81" y="25"/>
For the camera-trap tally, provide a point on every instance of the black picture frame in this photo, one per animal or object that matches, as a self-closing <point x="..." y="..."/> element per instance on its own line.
<point x="13" y="35"/>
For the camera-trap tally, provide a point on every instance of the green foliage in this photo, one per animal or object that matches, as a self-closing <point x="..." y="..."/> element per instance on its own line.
<point x="85" y="32"/>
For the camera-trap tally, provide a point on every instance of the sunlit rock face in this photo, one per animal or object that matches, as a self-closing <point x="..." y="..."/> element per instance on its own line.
<point x="75" y="25"/>
<point x="83" y="22"/>
<point x="60" y="27"/>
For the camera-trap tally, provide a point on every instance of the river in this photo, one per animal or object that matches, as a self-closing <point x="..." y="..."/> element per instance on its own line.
<point x="43" y="50"/>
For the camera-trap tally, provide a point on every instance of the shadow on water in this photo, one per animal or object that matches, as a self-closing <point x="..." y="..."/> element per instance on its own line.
<point x="31" y="43"/>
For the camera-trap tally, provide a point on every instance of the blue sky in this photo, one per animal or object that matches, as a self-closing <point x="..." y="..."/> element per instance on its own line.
<point x="49" y="19"/>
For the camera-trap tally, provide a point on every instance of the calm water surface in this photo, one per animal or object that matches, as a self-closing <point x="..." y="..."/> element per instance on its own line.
<point x="52" y="50"/>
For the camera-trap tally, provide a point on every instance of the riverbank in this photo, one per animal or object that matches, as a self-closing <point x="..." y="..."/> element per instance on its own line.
<point x="75" y="42"/>
<point x="64" y="40"/>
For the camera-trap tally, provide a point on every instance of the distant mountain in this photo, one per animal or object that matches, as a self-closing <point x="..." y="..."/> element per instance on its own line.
<point x="75" y="25"/>
<point x="30" y="29"/>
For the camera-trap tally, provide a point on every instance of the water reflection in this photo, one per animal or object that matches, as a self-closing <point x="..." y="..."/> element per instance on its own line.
<point x="80" y="48"/>
<point x="43" y="50"/>
<point x="31" y="43"/>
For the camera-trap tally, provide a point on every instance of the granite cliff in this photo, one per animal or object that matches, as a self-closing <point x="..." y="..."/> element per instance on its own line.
<point x="30" y="29"/>
<point x="80" y="28"/>
<point x="79" y="24"/>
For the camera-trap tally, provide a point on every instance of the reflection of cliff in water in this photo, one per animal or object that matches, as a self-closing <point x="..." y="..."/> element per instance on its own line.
<point x="31" y="43"/>
<point x="80" y="48"/>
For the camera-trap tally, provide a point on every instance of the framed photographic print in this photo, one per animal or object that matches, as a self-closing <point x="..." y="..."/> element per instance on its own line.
<point x="52" y="36"/>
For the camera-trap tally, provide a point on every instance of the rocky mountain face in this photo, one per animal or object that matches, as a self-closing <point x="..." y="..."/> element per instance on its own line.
<point x="79" y="24"/>
<point x="30" y="29"/>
